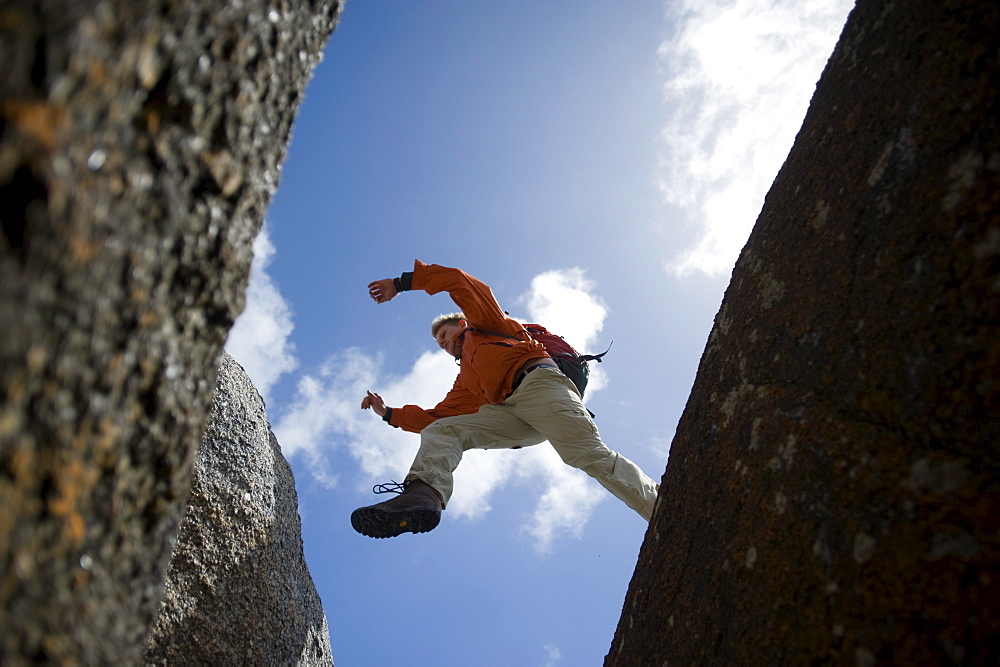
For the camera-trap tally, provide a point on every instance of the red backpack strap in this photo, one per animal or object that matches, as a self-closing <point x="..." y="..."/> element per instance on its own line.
<point x="487" y="332"/>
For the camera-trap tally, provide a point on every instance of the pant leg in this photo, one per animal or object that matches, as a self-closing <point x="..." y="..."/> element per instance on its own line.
<point x="443" y="442"/>
<point x="550" y="404"/>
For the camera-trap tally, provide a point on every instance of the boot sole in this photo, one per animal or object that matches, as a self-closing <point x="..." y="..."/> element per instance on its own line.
<point x="379" y="523"/>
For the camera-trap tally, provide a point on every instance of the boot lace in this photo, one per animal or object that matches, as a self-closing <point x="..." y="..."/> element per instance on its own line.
<point x="392" y="487"/>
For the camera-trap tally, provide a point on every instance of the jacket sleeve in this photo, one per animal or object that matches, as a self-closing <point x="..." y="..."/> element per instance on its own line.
<point x="474" y="297"/>
<point x="458" y="401"/>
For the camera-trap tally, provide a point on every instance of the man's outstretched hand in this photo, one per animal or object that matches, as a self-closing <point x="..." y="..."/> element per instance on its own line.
<point x="382" y="290"/>
<point x="375" y="402"/>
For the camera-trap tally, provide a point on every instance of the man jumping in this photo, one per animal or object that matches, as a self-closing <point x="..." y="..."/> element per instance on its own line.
<point x="509" y="393"/>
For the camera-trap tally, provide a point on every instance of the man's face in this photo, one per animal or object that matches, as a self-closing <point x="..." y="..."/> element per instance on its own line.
<point x="447" y="337"/>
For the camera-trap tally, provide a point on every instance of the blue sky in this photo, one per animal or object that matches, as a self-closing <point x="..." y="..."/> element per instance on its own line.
<point x="599" y="165"/>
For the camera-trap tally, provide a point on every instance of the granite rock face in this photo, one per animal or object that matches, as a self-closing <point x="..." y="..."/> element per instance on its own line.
<point x="140" y="143"/>
<point x="832" y="491"/>
<point x="238" y="590"/>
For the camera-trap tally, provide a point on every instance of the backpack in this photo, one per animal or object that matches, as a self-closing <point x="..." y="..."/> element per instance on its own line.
<point x="572" y="364"/>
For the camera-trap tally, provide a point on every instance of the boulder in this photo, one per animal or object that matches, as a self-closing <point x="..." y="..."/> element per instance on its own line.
<point x="238" y="590"/>
<point x="140" y="143"/>
<point x="832" y="490"/>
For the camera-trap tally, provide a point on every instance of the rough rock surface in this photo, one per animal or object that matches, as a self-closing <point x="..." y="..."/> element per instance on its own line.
<point x="832" y="491"/>
<point x="238" y="590"/>
<point x="140" y="142"/>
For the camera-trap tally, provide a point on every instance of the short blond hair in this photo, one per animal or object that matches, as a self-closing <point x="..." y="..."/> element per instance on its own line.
<point x="441" y="320"/>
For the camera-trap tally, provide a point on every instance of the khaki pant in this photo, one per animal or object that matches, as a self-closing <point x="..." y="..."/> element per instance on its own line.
<point x="546" y="406"/>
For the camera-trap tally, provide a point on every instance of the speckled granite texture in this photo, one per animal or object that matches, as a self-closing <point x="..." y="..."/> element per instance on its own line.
<point x="140" y="143"/>
<point x="832" y="491"/>
<point x="238" y="591"/>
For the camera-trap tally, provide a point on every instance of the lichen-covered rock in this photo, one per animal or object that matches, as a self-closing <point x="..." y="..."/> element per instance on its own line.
<point x="140" y="142"/>
<point x="832" y="493"/>
<point x="238" y="591"/>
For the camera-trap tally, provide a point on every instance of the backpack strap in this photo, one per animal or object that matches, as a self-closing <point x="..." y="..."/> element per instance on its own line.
<point x="497" y="333"/>
<point x="575" y="357"/>
<point x="595" y="357"/>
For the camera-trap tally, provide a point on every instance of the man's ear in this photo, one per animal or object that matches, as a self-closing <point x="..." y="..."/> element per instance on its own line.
<point x="463" y="324"/>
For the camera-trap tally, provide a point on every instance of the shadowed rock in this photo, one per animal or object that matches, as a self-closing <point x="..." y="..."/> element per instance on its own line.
<point x="832" y="490"/>
<point x="238" y="590"/>
<point x="140" y="142"/>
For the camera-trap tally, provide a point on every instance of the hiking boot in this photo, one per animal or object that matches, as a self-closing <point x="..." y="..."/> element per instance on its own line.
<point x="417" y="509"/>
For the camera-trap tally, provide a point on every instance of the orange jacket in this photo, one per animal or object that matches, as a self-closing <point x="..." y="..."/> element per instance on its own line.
<point x="488" y="364"/>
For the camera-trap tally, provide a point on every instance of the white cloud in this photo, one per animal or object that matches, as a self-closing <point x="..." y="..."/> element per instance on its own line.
<point x="259" y="340"/>
<point x="741" y="74"/>
<point x="326" y="415"/>
<point x="564" y="302"/>
<point x="567" y="502"/>
<point x="552" y="654"/>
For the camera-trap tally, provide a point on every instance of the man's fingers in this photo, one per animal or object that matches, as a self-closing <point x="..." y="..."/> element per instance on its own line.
<point x="381" y="290"/>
